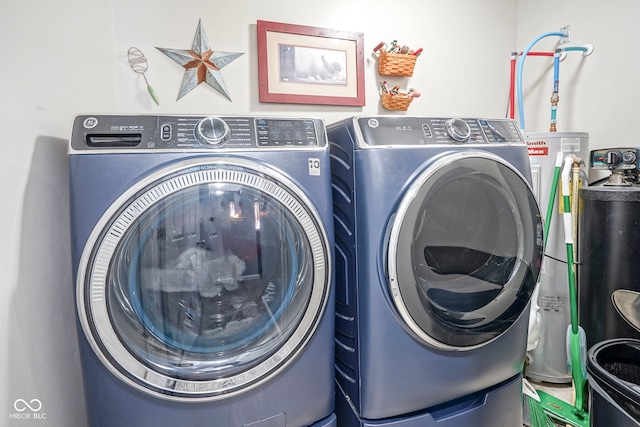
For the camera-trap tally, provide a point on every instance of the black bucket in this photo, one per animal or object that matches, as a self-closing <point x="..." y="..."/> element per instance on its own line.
<point x="614" y="383"/>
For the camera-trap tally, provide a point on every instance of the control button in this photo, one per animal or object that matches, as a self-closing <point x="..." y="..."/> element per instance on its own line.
<point x="212" y="131"/>
<point x="458" y="129"/>
<point x="165" y="132"/>
<point x="628" y="157"/>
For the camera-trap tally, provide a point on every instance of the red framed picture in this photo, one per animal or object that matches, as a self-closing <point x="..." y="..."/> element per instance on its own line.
<point x="310" y="65"/>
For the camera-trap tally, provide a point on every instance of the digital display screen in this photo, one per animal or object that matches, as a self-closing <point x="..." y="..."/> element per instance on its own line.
<point x="275" y="133"/>
<point x="287" y="130"/>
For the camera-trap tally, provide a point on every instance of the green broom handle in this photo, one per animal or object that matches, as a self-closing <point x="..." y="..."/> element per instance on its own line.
<point x="568" y="240"/>
<point x="552" y="195"/>
<point x="576" y="363"/>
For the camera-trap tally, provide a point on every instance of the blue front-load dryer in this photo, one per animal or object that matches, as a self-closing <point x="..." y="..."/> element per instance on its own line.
<point x="203" y="252"/>
<point x="438" y="242"/>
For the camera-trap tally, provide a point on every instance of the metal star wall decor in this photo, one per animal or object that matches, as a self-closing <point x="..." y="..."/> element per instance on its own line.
<point x="202" y="65"/>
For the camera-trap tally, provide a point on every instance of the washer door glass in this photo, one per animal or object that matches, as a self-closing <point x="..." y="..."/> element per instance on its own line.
<point x="206" y="281"/>
<point x="465" y="251"/>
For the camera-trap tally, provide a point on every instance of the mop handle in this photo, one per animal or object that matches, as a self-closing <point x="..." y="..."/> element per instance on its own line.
<point x="566" y="201"/>
<point x="552" y="195"/>
<point x="575" y="351"/>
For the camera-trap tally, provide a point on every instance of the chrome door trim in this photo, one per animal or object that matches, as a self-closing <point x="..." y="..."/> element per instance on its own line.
<point x="393" y="241"/>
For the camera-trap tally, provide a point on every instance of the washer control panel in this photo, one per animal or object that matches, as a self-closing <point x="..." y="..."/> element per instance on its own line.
<point x="123" y="132"/>
<point x="411" y="131"/>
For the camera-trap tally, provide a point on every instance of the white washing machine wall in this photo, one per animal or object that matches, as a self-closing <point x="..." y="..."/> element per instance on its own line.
<point x="203" y="250"/>
<point x="438" y="247"/>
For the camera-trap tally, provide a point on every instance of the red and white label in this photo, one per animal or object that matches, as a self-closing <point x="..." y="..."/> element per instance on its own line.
<point x="537" y="148"/>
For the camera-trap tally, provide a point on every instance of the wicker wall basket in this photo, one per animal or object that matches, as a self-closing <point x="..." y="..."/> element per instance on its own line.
<point x="396" y="64"/>
<point x="396" y="102"/>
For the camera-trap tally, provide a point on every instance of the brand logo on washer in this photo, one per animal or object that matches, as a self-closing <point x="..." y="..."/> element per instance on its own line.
<point x="373" y="123"/>
<point x="90" y="122"/>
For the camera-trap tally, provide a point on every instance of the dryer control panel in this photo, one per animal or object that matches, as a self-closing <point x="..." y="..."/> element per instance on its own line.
<point x="412" y="131"/>
<point x="131" y="132"/>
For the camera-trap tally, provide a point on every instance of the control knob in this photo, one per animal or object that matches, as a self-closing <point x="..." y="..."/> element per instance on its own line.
<point x="212" y="131"/>
<point x="612" y="159"/>
<point x="458" y="129"/>
<point x="628" y="157"/>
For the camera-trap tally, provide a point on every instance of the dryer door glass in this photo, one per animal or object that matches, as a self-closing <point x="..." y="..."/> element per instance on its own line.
<point x="213" y="277"/>
<point x="465" y="251"/>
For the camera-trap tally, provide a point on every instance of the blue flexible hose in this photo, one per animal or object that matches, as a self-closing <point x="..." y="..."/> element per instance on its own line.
<point x="520" y="68"/>
<point x="556" y="84"/>
<point x="575" y="48"/>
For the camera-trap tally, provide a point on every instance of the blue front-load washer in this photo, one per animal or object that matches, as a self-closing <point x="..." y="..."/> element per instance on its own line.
<point x="202" y="249"/>
<point x="438" y="245"/>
